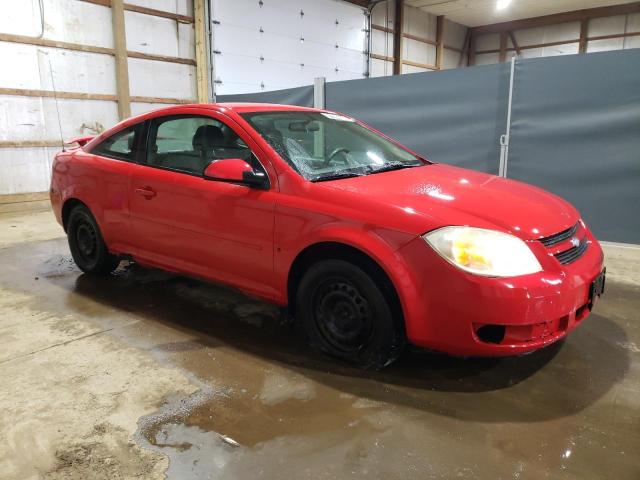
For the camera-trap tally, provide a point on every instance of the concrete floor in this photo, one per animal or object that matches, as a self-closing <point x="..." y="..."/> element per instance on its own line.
<point x="151" y="375"/>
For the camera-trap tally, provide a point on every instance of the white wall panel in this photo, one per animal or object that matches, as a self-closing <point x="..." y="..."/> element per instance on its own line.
<point x="158" y="36"/>
<point x="421" y="24"/>
<point x="31" y="67"/>
<point x="275" y="46"/>
<point x="420" y="52"/>
<point x="31" y="118"/>
<point x="160" y="79"/>
<point x="605" y="45"/>
<point x="567" y="32"/>
<point x="72" y="71"/>
<point x="487" y="58"/>
<point x="383" y="13"/>
<point x="633" y="26"/>
<point x="451" y="59"/>
<point x="612" y="25"/>
<point x="607" y="25"/>
<point x="551" y="51"/>
<point x="63" y="20"/>
<point x="488" y="42"/>
<point x="26" y="71"/>
<point x="552" y="33"/>
<point x="412" y="69"/>
<point x="139" y="107"/>
<point x="182" y="7"/>
<point x="381" y="43"/>
<point x="454" y="34"/>
<point x="418" y="22"/>
<point x="20" y="18"/>
<point x="25" y="169"/>
<point x="380" y="68"/>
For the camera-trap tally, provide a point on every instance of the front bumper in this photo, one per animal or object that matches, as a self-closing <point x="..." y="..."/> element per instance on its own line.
<point x="447" y="308"/>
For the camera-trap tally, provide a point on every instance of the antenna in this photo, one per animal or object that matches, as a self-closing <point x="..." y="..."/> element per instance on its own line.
<point x="55" y="97"/>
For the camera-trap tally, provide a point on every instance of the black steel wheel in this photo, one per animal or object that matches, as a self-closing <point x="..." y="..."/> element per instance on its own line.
<point x="345" y="313"/>
<point x="87" y="246"/>
<point x="342" y="315"/>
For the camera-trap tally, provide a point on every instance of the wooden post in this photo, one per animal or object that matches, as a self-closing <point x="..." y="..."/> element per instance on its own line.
<point x="471" y="55"/>
<point x="515" y="42"/>
<point x="397" y="37"/>
<point x="439" y="41"/>
<point x="503" y="46"/>
<point x="465" y="47"/>
<point x="122" y="66"/>
<point x="584" y="36"/>
<point x="202" y="77"/>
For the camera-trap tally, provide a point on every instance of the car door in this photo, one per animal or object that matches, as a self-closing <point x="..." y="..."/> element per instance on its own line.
<point x="184" y="222"/>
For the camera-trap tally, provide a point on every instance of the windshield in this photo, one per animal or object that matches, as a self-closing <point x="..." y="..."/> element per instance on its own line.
<point x="327" y="146"/>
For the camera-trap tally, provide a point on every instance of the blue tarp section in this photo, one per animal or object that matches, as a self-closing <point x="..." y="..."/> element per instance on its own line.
<point x="453" y="116"/>
<point x="575" y="131"/>
<point x="301" y="96"/>
<point x="575" y="125"/>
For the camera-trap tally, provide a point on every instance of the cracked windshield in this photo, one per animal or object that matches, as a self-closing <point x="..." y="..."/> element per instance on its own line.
<point x="327" y="146"/>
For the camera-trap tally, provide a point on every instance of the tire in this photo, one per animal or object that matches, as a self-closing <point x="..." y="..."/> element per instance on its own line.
<point x="87" y="246"/>
<point x="345" y="314"/>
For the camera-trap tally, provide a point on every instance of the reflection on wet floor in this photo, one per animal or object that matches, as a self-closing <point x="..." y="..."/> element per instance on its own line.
<point x="267" y="406"/>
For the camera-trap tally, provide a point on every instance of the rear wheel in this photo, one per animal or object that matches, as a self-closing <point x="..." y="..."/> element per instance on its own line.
<point x="345" y="314"/>
<point x="87" y="246"/>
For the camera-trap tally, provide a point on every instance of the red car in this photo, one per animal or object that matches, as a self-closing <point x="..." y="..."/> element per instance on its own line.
<point x="368" y="244"/>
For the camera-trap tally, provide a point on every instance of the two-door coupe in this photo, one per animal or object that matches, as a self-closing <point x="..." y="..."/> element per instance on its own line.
<point x="368" y="244"/>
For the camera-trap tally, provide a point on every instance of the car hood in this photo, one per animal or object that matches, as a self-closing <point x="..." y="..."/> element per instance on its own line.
<point x="436" y="195"/>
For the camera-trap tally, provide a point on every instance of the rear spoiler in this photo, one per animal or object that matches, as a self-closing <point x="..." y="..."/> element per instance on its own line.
<point x="78" y="142"/>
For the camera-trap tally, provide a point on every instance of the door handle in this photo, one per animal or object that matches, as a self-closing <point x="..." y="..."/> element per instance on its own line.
<point x="146" y="192"/>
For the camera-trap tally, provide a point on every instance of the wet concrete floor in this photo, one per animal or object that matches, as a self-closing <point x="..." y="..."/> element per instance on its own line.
<point x="146" y="374"/>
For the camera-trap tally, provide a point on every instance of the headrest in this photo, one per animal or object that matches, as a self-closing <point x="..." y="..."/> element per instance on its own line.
<point x="208" y="136"/>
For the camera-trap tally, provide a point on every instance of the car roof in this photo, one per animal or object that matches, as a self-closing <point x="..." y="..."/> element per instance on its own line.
<point x="237" y="107"/>
<point x="240" y="107"/>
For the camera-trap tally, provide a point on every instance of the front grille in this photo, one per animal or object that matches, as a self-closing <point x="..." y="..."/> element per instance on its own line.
<point x="573" y="253"/>
<point x="557" y="241"/>
<point x="559" y="237"/>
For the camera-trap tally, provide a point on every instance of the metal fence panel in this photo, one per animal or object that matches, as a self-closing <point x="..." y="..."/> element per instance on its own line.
<point x="576" y="132"/>
<point x="453" y="116"/>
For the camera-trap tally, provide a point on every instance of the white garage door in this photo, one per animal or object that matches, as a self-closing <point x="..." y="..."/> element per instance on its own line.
<point x="261" y="45"/>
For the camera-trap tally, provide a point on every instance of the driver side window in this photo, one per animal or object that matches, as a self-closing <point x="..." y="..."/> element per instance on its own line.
<point x="188" y="143"/>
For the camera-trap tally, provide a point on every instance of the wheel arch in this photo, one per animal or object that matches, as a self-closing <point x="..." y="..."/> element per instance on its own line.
<point x="68" y="205"/>
<point x="326" y="250"/>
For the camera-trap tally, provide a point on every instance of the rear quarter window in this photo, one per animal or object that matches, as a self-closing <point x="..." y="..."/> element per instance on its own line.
<point x="121" y="145"/>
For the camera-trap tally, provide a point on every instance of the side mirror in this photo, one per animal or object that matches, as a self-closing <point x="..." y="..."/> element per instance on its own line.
<point x="235" y="170"/>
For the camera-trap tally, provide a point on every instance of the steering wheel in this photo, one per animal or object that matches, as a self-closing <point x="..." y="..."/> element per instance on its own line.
<point x="335" y="152"/>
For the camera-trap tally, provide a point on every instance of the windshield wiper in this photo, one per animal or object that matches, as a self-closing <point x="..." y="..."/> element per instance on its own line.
<point x="392" y="166"/>
<point x="336" y="176"/>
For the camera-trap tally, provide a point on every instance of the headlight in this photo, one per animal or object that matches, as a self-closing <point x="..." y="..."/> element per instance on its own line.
<point x="484" y="252"/>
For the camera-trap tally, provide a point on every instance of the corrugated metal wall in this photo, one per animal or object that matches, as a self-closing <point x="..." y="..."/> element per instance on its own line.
<point x="29" y="129"/>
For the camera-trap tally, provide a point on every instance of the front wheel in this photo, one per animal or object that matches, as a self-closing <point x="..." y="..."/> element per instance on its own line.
<point x="87" y="246"/>
<point x="345" y="314"/>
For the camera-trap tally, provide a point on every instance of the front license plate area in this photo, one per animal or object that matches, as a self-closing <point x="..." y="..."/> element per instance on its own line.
<point x="597" y="288"/>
